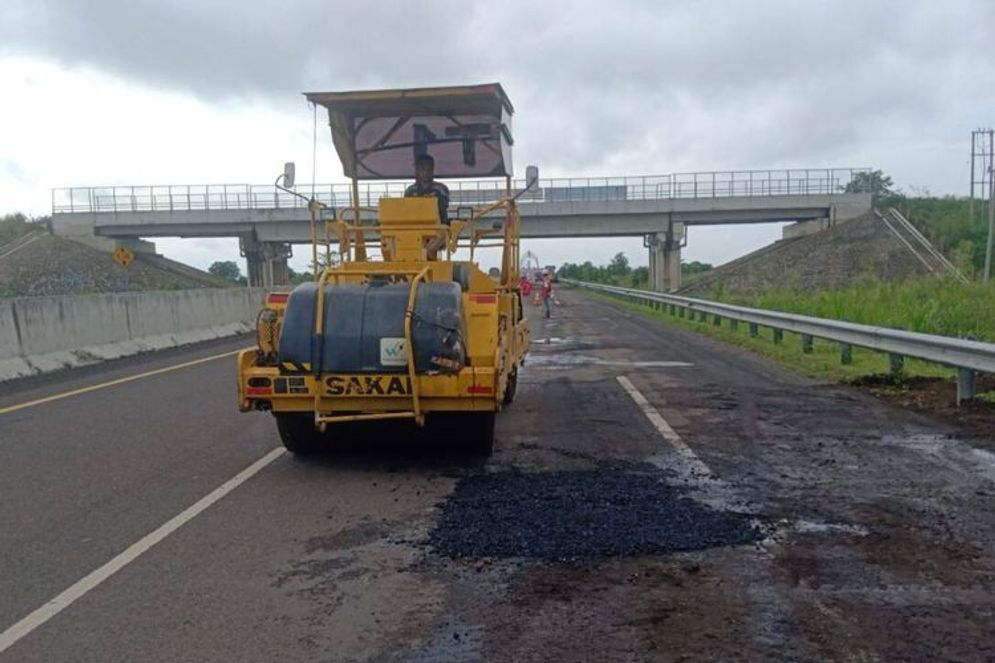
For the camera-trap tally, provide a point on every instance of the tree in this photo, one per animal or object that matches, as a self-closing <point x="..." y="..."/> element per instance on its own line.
<point x="227" y="269"/>
<point x="694" y="267"/>
<point x="873" y="182"/>
<point x="619" y="265"/>
<point x="296" y="278"/>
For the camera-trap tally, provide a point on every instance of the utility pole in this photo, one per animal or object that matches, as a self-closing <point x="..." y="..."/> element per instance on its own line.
<point x="991" y="222"/>
<point x="974" y="143"/>
<point x="982" y="176"/>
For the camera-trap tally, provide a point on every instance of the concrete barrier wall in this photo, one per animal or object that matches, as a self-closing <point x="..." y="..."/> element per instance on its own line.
<point x="10" y="342"/>
<point x="41" y="334"/>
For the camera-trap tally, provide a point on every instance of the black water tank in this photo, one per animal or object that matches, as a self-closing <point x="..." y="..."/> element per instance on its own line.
<point x="364" y="328"/>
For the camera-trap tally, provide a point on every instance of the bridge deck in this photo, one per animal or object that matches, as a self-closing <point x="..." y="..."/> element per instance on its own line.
<point x="608" y="206"/>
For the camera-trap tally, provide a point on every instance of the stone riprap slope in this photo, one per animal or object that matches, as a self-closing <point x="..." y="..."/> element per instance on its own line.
<point x="859" y="250"/>
<point x="54" y="266"/>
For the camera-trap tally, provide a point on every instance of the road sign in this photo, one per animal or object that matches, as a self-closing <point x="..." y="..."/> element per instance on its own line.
<point x="123" y="256"/>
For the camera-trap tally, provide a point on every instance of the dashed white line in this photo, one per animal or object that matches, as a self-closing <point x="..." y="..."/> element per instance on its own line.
<point x="695" y="464"/>
<point x="685" y="464"/>
<point x="96" y="577"/>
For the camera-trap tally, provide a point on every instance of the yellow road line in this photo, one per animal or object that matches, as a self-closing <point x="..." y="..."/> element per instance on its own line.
<point x="104" y="385"/>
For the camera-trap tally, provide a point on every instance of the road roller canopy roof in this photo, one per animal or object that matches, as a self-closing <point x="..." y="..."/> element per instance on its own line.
<point x="378" y="134"/>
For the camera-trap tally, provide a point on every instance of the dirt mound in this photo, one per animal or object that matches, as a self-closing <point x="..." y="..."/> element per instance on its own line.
<point x="937" y="396"/>
<point x="51" y="265"/>
<point x="859" y="250"/>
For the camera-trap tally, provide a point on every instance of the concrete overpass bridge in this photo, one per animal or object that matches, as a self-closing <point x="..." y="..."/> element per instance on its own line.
<point x="658" y="208"/>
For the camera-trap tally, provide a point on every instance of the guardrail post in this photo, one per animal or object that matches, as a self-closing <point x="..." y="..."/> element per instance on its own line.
<point x="681" y="312"/>
<point x="965" y="384"/>
<point x="896" y="364"/>
<point x="806" y="344"/>
<point x="778" y="336"/>
<point x="754" y="330"/>
<point x="846" y="354"/>
<point x="702" y="317"/>
<point x="734" y="324"/>
<point x="716" y="321"/>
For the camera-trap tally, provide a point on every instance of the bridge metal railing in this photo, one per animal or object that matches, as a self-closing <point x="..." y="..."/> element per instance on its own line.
<point x="967" y="356"/>
<point x="717" y="184"/>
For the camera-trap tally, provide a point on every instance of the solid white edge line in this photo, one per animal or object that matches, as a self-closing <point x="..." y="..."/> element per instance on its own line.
<point x="665" y="429"/>
<point x="96" y="577"/>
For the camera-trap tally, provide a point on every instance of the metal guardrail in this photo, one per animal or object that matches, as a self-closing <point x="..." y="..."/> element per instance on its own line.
<point x="966" y="356"/>
<point x="718" y="184"/>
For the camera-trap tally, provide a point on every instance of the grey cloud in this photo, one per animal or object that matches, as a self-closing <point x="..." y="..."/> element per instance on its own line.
<point x="645" y="86"/>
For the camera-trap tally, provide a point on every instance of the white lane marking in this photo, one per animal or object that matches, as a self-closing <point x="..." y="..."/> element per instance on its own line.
<point x="95" y="578"/>
<point x="694" y="463"/>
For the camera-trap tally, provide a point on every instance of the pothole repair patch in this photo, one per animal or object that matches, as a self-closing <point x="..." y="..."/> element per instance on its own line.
<point x="580" y="515"/>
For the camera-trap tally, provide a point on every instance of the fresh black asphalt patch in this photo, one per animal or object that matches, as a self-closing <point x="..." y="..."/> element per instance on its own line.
<point x="580" y="515"/>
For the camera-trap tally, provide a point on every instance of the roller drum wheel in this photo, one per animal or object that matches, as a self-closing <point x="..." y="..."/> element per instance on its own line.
<point x="298" y="434"/>
<point x="482" y="433"/>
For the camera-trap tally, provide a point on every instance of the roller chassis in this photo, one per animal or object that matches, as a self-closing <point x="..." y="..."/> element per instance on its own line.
<point x="265" y="384"/>
<point x="468" y="399"/>
<point x="314" y="406"/>
<point x="458" y="395"/>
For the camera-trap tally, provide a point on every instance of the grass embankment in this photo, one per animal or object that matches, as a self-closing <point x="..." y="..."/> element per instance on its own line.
<point x="928" y="306"/>
<point x="948" y="224"/>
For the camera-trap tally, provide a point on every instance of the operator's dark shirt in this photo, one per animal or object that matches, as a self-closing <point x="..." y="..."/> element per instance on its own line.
<point x="437" y="189"/>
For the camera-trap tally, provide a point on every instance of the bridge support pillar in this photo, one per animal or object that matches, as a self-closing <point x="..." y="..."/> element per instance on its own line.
<point x="266" y="262"/>
<point x="665" y="258"/>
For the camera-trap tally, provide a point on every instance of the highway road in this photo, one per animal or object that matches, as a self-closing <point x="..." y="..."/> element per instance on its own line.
<point x="653" y="495"/>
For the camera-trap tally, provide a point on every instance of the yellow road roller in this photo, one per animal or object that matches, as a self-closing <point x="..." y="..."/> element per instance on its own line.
<point x="399" y="321"/>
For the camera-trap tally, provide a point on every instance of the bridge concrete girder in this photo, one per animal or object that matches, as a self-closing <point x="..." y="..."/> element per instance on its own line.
<point x="266" y="234"/>
<point x="632" y="218"/>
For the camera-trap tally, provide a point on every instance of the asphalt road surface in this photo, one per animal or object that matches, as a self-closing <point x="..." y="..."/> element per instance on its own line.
<point x="653" y="495"/>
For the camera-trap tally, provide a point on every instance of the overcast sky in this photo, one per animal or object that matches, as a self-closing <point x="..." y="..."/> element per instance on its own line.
<point x="192" y="91"/>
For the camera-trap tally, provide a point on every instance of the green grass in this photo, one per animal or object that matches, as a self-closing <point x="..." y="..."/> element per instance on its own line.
<point x="948" y="224"/>
<point x="930" y="306"/>
<point x="823" y="362"/>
